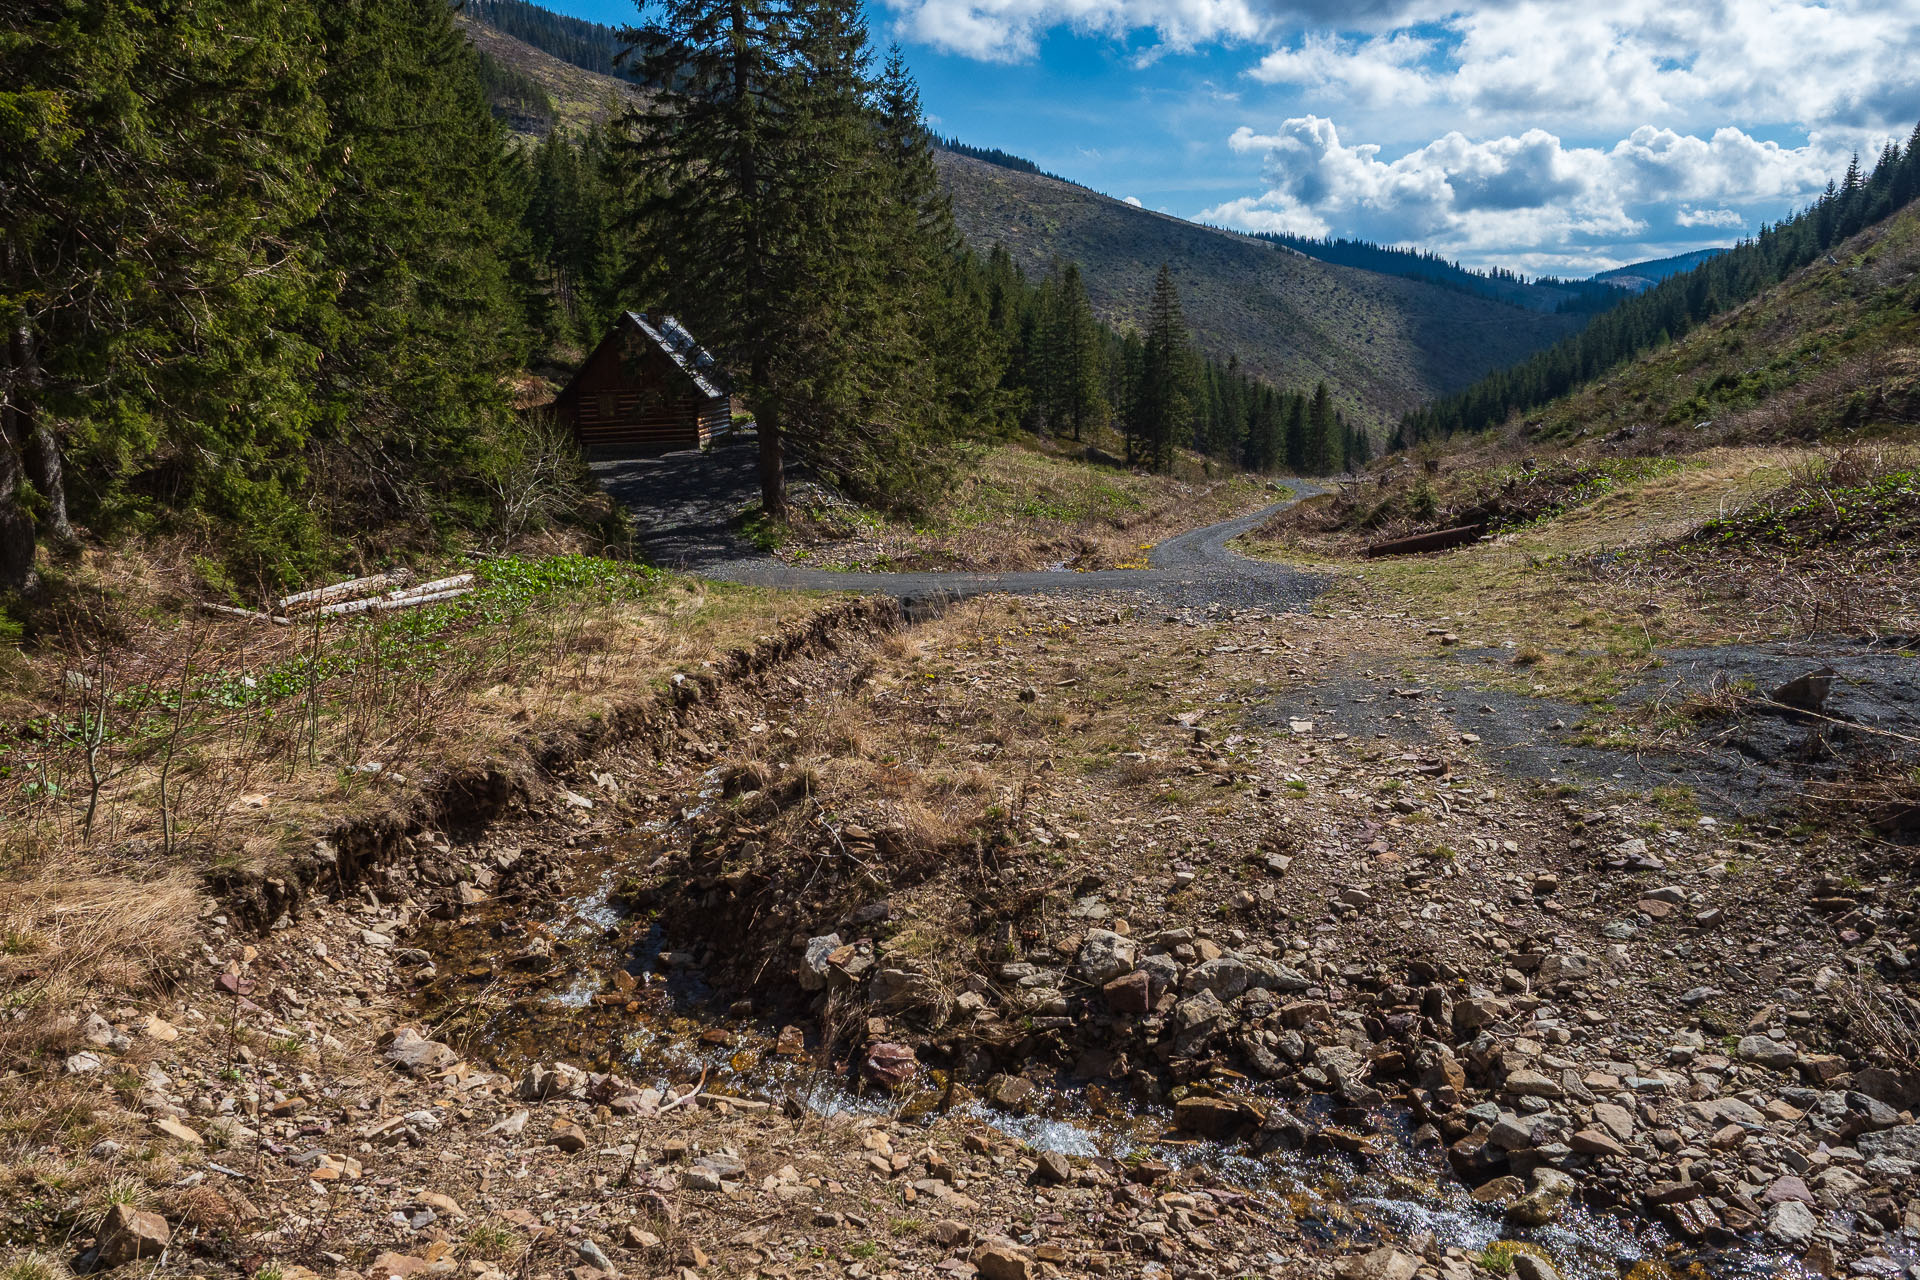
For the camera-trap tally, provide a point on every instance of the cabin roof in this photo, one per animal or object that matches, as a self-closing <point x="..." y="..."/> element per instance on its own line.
<point x="672" y="338"/>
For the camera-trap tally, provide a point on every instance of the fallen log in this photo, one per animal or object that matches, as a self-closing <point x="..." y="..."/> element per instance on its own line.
<point x="382" y="604"/>
<point x="1437" y="540"/>
<point x="302" y="601"/>
<point x="251" y="615"/>
<point x="425" y="588"/>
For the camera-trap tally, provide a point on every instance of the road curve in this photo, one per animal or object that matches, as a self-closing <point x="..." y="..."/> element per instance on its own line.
<point x="684" y="505"/>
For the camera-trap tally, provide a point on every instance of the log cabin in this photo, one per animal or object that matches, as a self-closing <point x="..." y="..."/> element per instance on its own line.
<point x="647" y="389"/>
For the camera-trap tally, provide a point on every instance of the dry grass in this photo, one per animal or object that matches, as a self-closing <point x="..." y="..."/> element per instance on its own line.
<point x="69" y="929"/>
<point x="1030" y="507"/>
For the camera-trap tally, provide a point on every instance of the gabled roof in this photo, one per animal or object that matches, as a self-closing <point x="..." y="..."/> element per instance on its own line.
<point x="672" y="338"/>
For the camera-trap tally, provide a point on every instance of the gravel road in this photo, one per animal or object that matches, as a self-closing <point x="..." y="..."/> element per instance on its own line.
<point x="686" y="508"/>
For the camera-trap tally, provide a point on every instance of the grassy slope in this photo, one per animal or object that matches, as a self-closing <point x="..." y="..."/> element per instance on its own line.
<point x="1835" y="348"/>
<point x="580" y="97"/>
<point x="1033" y="504"/>
<point x="1386" y="343"/>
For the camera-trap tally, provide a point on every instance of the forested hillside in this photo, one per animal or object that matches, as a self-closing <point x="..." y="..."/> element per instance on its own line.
<point x="1382" y="344"/>
<point x="1832" y="351"/>
<point x="1542" y="293"/>
<point x="1678" y="304"/>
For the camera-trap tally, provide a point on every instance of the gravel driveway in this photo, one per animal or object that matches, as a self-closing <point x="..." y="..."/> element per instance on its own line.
<point x="686" y="508"/>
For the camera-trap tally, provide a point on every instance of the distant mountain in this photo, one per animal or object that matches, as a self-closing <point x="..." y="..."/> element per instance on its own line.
<point x="1544" y="293"/>
<point x="1641" y="276"/>
<point x="1384" y="343"/>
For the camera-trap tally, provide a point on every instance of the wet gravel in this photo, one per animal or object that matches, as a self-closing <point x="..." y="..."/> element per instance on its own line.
<point x="686" y="508"/>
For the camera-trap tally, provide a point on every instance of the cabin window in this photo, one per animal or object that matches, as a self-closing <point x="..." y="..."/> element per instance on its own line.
<point x="605" y="405"/>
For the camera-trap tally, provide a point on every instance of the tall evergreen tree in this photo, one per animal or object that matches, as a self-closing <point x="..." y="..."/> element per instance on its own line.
<point x="1161" y="408"/>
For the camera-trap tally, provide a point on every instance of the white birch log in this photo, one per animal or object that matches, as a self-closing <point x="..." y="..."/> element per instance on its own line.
<point x="381" y="604"/>
<point x="425" y="588"/>
<point x="301" y="601"/>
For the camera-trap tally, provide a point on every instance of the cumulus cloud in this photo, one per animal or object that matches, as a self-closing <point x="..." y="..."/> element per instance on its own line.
<point x="1727" y="218"/>
<point x="1132" y="200"/>
<point x="1527" y="192"/>
<point x="1509" y="64"/>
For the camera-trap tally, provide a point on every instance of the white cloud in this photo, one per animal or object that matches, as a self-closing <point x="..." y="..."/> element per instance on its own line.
<point x="1132" y="200"/>
<point x="1527" y="193"/>
<point x="1728" y="218"/>
<point x="1570" y="65"/>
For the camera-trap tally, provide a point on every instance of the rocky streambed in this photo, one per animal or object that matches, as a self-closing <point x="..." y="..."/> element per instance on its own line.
<point x="1386" y="1125"/>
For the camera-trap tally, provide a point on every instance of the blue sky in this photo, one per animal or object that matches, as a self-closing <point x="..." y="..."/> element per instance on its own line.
<point x="1545" y="135"/>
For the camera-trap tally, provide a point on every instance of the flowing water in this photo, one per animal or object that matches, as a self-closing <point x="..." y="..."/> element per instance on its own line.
<point x="616" y="995"/>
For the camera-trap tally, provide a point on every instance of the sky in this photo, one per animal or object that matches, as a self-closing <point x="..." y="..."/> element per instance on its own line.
<point x="1548" y="136"/>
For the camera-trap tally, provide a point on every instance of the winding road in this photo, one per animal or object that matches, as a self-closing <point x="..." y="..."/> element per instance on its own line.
<point x="685" y="507"/>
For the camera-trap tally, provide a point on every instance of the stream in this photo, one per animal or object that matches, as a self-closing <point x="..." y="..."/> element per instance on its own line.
<point x="590" y="983"/>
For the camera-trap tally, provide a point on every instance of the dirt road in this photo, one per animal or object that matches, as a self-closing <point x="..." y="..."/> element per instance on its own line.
<point x="685" y="507"/>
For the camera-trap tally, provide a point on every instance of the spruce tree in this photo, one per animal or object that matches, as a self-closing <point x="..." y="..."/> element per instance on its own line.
<point x="1162" y="404"/>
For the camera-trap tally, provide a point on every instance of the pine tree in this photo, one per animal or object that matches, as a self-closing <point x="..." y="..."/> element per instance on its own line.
<point x="1322" y="441"/>
<point x="1078" y="371"/>
<point x="422" y="327"/>
<point x="1161" y="411"/>
<point x="154" y="170"/>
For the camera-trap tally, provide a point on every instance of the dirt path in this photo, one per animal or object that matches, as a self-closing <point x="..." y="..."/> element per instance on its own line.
<point x="684" y="505"/>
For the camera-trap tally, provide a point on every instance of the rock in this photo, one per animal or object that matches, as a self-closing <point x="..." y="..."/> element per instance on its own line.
<point x="127" y="1233"/>
<point x="1052" y="1169"/>
<point x="569" y="1138"/>
<point x="1549" y="1190"/>
<point x="397" y="1266"/>
<point x="444" y="1205"/>
<point x="1104" y="956"/>
<point x="594" y="1256"/>
<point x="160" y="1029"/>
<point x="1787" y="1187"/>
<point x="1791" y="1222"/>
<point x="1767" y="1052"/>
<point x="177" y="1131"/>
<point x="1532" y="1084"/>
<point x="1531" y="1266"/>
<point x="949" y="1232"/>
<point x="414" y="1054"/>
<point x="900" y="989"/>
<point x="1213" y="1117"/>
<point x="813" y="962"/>
<point x="1384" y="1263"/>
<point x="1596" y="1142"/>
<point x="1010" y="1093"/>
<point x="891" y="1065"/>
<point x="1234" y="972"/>
<point x="83" y="1063"/>
<point x="1130" y="993"/>
<point x="1196" y="1018"/>
<point x="998" y="1258"/>
<point x="1901" y="1142"/>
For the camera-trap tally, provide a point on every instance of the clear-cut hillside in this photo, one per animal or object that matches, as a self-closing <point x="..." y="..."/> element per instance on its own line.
<point x="1385" y="343"/>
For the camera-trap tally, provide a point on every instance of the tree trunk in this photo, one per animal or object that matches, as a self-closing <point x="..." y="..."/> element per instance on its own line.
<point x="773" y="472"/>
<point x="16" y="526"/>
<point x="32" y="437"/>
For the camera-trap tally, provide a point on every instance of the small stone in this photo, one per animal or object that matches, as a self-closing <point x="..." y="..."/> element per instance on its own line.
<point x="177" y="1131"/>
<point x="1384" y="1263"/>
<point x="1131" y="993"/>
<point x="949" y="1232"/>
<point x="1767" y="1052"/>
<point x="569" y="1138"/>
<point x="1052" y="1169"/>
<point x="999" y="1258"/>
<point x="1791" y="1222"/>
<point x="127" y="1233"/>
<point x="416" y="1055"/>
